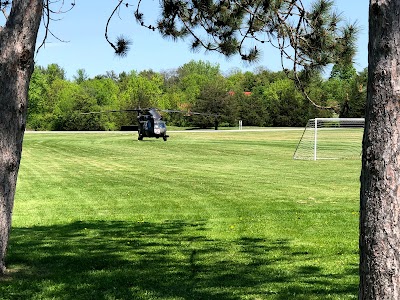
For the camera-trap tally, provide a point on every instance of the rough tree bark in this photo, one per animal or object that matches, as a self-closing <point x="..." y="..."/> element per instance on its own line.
<point x="17" y="47"/>
<point x="380" y="176"/>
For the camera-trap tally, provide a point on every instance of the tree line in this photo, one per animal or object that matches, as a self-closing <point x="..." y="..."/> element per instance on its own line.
<point x="259" y="98"/>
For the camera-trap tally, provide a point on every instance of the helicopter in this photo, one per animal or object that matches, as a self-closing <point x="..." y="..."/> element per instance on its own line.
<point x="150" y="122"/>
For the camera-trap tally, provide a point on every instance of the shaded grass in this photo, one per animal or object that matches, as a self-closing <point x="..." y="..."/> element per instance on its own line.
<point x="204" y="216"/>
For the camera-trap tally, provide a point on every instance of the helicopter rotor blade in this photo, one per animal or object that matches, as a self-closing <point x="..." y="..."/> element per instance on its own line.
<point x="189" y="113"/>
<point x="112" y="111"/>
<point x="141" y="110"/>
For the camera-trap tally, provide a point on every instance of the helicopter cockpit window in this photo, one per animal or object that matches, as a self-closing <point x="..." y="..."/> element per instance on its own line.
<point x="156" y="115"/>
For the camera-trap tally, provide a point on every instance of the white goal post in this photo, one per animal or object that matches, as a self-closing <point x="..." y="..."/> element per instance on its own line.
<point x="331" y="138"/>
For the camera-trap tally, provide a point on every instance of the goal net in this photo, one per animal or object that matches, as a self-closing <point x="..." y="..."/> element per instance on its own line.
<point x="331" y="138"/>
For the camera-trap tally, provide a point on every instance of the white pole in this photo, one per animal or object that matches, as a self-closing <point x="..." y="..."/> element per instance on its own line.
<point x="240" y="124"/>
<point x="315" y="137"/>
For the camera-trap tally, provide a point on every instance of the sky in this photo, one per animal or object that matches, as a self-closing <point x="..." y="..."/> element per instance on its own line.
<point x="80" y="42"/>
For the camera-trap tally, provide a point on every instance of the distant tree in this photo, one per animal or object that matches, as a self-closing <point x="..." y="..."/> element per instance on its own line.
<point x="343" y="71"/>
<point x="81" y="76"/>
<point x="199" y="68"/>
<point x="38" y="90"/>
<point x="171" y="78"/>
<point x="285" y="104"/>
<point x="336" y="93"/>
<point x="235" y="80"/>
<point x="249" y="81"/>
<point x="149" y="74"/>
<point x="105" y="91"/>
<point x="139" y="91"/>
<point x="122" y="76"/>
<point x="53" y="72"/>
<point x="193" y="76"/>
<point x="252" y="108"/>
<point x="214" y="99"/>
<point x="340" y="84"/>
<point x="74" y="98"/>
<point x="109" y="74"/>
<point x="358" y="95"/>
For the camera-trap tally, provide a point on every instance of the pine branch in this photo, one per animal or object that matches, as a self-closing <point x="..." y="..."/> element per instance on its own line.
<point x="121" y="47"/>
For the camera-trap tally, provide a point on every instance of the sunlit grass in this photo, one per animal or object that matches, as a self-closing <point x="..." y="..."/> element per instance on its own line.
<point x="218" y="215"/>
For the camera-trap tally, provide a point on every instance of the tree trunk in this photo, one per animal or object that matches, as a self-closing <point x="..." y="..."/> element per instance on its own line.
<point x="380" y="175"/>
<point x="17" y="48"/>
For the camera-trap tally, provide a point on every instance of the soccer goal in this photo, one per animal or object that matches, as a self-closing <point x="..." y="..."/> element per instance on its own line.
<point x="331" y="138"/>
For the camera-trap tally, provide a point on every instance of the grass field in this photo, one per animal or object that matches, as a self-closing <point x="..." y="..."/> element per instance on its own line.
<point x="218" y="215"/>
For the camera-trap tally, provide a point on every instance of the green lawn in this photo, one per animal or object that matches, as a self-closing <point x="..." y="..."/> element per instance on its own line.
<point x="218" y="215"/>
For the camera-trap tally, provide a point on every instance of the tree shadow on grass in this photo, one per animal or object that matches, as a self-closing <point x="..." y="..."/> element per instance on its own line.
<point x="170" y="260"/>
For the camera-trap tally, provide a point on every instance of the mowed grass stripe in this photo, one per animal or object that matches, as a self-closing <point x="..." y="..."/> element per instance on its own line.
<point x="227" y="215"/>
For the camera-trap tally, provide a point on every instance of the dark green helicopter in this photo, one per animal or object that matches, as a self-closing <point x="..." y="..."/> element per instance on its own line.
<point x="150" y="123"/>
